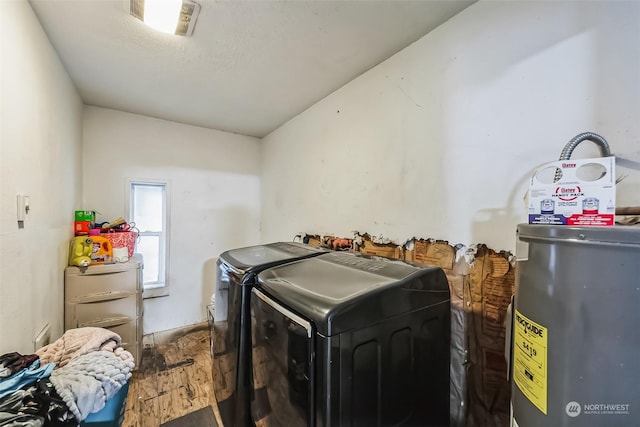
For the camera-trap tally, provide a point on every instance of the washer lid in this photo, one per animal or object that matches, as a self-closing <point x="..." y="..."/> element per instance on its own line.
<point x="253" y="258"/>
<point x="339" y="291"/>
<point x="621" y="234"/>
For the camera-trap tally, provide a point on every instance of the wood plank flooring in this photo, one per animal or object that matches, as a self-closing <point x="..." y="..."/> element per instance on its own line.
<point x="174" y="378"/>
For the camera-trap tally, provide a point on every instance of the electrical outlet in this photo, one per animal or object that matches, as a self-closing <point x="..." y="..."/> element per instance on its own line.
<point x="43" y="338"/>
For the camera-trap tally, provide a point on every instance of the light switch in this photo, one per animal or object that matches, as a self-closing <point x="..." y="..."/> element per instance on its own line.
<point x="22" y="209"/>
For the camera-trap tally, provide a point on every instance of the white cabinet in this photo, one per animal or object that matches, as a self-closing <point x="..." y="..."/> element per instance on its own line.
<point x="107" y="296"/>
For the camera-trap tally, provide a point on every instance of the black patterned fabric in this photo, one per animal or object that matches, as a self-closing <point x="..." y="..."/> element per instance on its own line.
<point x="36" y="406"/>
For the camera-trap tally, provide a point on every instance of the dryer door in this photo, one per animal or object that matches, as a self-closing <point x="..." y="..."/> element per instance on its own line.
<point x="283" y="359"/>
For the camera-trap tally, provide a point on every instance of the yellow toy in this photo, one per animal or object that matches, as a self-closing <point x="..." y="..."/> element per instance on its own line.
<point x="80" y="251"/>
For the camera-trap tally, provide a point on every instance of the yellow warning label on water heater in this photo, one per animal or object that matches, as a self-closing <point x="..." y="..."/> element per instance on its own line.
<point x="530" y="360"/>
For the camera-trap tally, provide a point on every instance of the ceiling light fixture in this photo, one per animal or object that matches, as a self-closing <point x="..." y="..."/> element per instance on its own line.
<point x="162" y="14"/>
<point x="169" y="16"/>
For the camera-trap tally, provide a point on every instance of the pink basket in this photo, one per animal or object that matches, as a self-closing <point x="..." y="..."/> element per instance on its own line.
<point x="122" y="239"/>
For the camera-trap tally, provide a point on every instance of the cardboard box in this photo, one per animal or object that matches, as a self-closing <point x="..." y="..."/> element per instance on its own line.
<point x="488" y="291"/>
<point x="82" y="227"/>
<point x="312" y="239"/>
<point x="440" y="254"/>
<point x="579" y="193"/>
<point x="387" y="250"/>
<point x="85" y="216"/>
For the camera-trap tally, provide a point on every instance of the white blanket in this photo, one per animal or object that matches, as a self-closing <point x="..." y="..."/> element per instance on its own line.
<point x="76" y="342"/>
<point x="89" y="380"/>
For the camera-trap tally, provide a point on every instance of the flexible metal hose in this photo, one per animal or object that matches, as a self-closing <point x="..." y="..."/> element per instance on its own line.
<point x="602" y="144"/>
<point x="605" y="151"/>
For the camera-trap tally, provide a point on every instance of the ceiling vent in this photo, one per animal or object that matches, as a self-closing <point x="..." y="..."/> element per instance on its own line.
<point x="186" y="22"/>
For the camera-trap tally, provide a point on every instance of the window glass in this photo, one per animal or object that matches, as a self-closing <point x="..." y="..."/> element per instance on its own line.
<point x="147" y="203"/>
<point x="148" y="211"/>
<point x="149" y="247"/>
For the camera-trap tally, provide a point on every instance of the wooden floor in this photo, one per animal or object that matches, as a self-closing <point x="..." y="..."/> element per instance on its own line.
<point x="174" y="378"/>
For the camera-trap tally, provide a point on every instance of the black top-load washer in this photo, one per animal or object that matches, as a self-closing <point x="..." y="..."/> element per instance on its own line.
<point x="344" y="339"/>
<point x="237" y="270"/>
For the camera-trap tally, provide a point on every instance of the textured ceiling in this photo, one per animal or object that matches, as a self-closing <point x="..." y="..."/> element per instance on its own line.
<point x="250" y="65"/>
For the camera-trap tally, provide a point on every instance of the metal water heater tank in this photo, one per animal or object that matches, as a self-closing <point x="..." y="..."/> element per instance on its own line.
<point x="576" y="340"/>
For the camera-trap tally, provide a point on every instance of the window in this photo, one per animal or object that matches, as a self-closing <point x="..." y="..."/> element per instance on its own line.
<point x="148" y="210"/>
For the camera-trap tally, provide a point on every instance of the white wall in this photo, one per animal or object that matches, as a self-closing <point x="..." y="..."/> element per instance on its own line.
<point x="439" y="140"/>
<point x="215" y="197"/>
<point x="40" y="150"/>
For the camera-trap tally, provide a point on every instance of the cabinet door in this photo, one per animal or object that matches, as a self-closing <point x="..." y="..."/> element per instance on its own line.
<point x="99" y="307"/>
<point x="130" y="331"/>
<point x="126" y="327"/>
<point x="78" y="285"/>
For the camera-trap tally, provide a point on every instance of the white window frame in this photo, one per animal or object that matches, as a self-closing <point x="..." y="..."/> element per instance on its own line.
<point x="161" y="288"/>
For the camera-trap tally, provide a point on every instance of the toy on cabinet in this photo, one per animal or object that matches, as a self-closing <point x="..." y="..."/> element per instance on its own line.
<point x="80" y="251"/>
